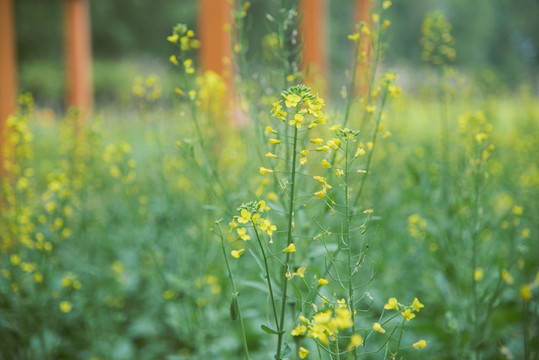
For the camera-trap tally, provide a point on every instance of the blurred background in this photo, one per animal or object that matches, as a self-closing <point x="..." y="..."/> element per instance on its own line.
<point x="497" y="43"/>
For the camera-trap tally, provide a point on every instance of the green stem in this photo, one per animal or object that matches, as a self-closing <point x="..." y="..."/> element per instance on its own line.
<point x="371" y="152"/>
<point x="349" y="246"/>
<point x="289" y="241"/>
<point x="231" y="277"/>
<point x="475" y="240"/>
<point x="267" y="275"/>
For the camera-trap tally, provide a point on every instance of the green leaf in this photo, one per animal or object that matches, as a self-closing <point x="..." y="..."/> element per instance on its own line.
<point x="234" y="307"/>
<point x="270" y="331"/>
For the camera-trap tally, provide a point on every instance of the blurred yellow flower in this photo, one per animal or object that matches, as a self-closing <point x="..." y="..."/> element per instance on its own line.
<point x="237" y="253"/>
<point x="65" y="306"/>
<point x="290" y="248"/>
<point x="377" y="327"/>
<point x="420" y="344"/>
<point x="263" y="170"/>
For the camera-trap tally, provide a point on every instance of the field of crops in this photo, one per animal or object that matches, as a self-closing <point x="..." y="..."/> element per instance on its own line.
<point x="380" y="222"/>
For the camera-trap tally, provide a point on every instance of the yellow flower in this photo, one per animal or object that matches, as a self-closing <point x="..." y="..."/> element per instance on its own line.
<point x="408" y="314"/>
<point x="65" y="306"/>
<point x="242" y="233"/>
<point x="265" y="225"/>
<point x="525" y="293"/>
<point x="322" y="282"/>
<point x="269" y="130"/>
<point x="299" y="330"/>
<point x="303" y="352"/>
<point x="300" y="272"/>
<point x="263" y="170"/>
<point x="506" y="276"/>
<point x="392" y="304"/>
<point x="290" y="248"/>
<point x="386" y="4"/>
<point x="416" y="305"/>
<point x="420" y="344"/>
<point x="274" y="141"/>
<point x="326" y="164"/>
<point x="173" y="59"/>
<point x="245" y="216"/>
<point x="354" y="37"/>
<point x="15" y="259"/>
<point x="233" y="224"/>
<point x="303" y="161"/>
<point x="168" y="294"/>
<point x="261" y="206"/>
<point x="355" y="341"/>
<point x="173" y="38"/>
<point x="340" y="172"/>
<point x="38" y="277"/>
<point x="317" y="141"/>
<point x="297" y="120"/>
<point x="292" y="100"/>
<point x="320" y="194"/>
<point x="478" y="274"/>
<point x="385" y="25"/>
<point x="237" y="253"/>
<point x="377" y="327"/>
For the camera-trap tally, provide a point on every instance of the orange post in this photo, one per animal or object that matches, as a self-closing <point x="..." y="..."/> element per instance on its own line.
<point x="313" y="31"/>
<point x="78" y="55"/>
<point x="216" y="44"/>
<point x="8" y="72"/>
<point x="363" y="14"/>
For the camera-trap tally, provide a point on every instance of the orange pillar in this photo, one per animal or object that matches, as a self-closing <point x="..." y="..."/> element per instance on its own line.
<point x="8" y="73"/>
<point x="313" y="32"/>
<point x="78" y="55"/>
<point x="216" y="44"/>
<point x="363" y="14"/>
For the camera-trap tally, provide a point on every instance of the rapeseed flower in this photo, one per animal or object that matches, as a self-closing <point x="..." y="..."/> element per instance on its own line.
<point x="408" y="314"/>
<point x="303" y="352"/>
<point x="299" y="330"/>
<point x="237" y="253"/>
<point x="322" y="282"/>
<point x="264" y="171"/>
<point x="420" y="344"/>
<point x="392" y="304"/>
<point x="290" y="248"/>
<point x="355" y="341"/>
<point x="242" y="233"/>
<point x="416" y="305"/>
<point x="245" y="216"/>
<point x="378" y="328"/>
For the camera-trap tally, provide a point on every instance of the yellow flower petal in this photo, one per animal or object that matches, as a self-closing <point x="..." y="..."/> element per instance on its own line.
<point x="290" y="248"/>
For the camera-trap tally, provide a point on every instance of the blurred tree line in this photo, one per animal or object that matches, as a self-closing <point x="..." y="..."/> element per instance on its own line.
<point x="497" y="35"/>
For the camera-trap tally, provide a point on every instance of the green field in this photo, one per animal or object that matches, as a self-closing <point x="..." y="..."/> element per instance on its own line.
<point x="388" y="224"/>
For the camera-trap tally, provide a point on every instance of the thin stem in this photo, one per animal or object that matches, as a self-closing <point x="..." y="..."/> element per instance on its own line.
<point x="369" y="159"/>
<point x="235" y="293"/>
<point x="349" y="246"/>
<point x="289" y="241"/>
<point x="267" y="275"/>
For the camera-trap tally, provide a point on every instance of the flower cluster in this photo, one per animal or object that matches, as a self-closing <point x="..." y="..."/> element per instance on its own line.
<point x="326" y="324"/>
<point x="250" y="213"/>
<point x="437" y="41"/>
<point x="407" y="312"/>
<point x="299" y="103"/>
